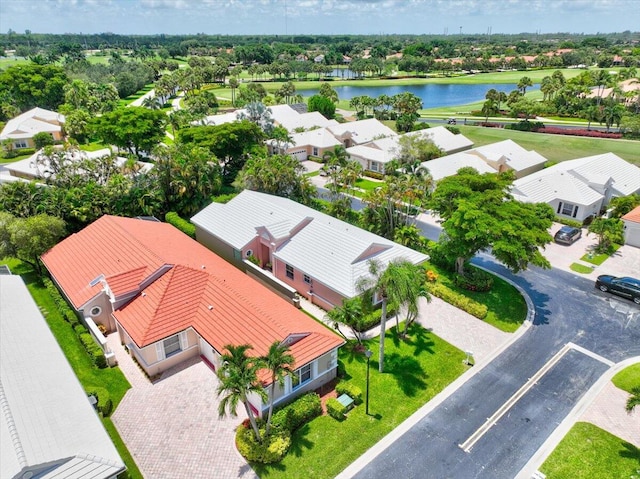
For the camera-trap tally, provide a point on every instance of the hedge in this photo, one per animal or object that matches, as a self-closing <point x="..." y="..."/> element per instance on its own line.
<point x="272" y="448"/>
<point x="183" y="225"/>
<point x="224" y="198"/>
<point x="373" y="174"/>
<point x="335" y="409"/>
<point x="373" y="319"/>
<point x="299" y="412"/>
<point x="554" y="130"/>
<point x="458" y="300"/>
<point x="351" y="390"/>
<point x="568" y="222"/>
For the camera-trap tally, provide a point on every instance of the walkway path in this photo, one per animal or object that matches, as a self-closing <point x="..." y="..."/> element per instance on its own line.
<point x="139" y="101"/>
<point x="171" y="427"/>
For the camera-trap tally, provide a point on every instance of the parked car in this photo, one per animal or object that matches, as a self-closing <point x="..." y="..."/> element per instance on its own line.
<point x="451" y="121"/>
<point x="625" y="286"/>
<point x="568" y="235"/>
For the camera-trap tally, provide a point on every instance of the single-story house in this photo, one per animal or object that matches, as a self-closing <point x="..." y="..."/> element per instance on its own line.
<point x="31" y="169"/>
<point x="359" y="132"/>
<point x="580" y="188"/>
<point x="507" y="155"/>
<point x="308" y="143"/>
<point x="375" y="154"/>
<point x="632" y="227"/>
<point x="21" y="129"/>
<point x="48" y="427"/>
<point x="321" y="257"/>
<point x="449" y="165"/>
<point x="170" y="299"/>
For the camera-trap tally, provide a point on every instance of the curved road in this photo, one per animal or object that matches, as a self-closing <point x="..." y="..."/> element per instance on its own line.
<point x="575" y="337"/>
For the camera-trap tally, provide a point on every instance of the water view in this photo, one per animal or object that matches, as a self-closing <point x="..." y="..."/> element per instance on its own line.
<point x="433" y="95"/>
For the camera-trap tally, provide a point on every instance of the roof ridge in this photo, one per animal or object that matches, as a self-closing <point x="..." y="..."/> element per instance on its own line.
<point x="11" y="426"/>
<point x="115" y="222"/>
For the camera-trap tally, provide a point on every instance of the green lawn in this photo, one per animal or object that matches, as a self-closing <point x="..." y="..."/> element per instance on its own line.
<point x="598" y="259"/>
<point x="507" y="308"/>
<point x="628" y="378"/>
<point x="125" y="101"/>
<point x="108" y="382"/>
<point x="367" y="185"/>
<point x="588" y="452"/>
<point x="555" y="147"/>
<point x="16" y="158"/>
<point x="93" y="146"/>
<point x="580" y="268"/>
<point x="415" y="371"/>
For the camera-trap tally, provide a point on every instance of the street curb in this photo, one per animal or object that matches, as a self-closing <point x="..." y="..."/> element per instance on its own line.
<point x="439" y="398"/>
<point x="567" y="423"/>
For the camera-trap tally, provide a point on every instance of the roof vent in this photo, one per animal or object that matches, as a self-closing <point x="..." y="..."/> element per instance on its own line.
<point x="210" y="307"/>
<point x="203" y="266"/>
<point x="144" y="294"/>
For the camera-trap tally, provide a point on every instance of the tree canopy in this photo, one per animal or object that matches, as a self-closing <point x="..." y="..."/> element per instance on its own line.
<point x="135" y="129"/>
<point x="479" y="213"/>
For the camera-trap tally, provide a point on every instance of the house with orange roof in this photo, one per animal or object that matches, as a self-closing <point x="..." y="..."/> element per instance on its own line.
<point x="170" y="299"/>
<point x="632" y="227"/>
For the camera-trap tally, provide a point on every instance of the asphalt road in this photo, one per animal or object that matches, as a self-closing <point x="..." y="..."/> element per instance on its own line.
<point x="568" y="310"/>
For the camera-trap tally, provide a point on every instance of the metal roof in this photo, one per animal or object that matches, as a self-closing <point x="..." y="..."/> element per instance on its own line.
<point x="47" y="425"/>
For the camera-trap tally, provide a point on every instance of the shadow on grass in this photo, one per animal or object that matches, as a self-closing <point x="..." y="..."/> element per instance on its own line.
<point x="630" y="452"/>
<point x="407" y="371"/>
<point x="299" y="444"/>
<point x="418" y="337"/>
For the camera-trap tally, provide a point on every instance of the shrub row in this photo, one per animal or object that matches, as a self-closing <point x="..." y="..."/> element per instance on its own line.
<point x="92" y="348"/>
<point x="294" y="415"/>
<point x="8" y="154"/>
<point x="335" y="409"/>
<point x="568" y="222"/>
<point x="183" y="225"/>
<point x="224" y="198"/>
<point x="554" y="130"/>
<point x="458" y="300"/>
<point x="373" y="174"/>
<point x="373" y="319"/>
<point x="272" y="448"/>
<point x="526" y="126"/>
<point x="353" y="391"/>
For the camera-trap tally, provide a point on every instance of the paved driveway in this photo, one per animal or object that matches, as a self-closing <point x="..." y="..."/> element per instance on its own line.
<point x="171" y="427"/>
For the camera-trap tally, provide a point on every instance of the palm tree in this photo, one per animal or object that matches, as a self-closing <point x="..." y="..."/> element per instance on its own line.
<point x="523" y="83"/>
<point x="634" y="400"/>
<point x="152" y="102"/>
<point x="238" y="379"/>
<point x="349" y="314"/>
<point x="489" y="108"/>
<point x="233" y="84"/>
<point x="280" y="363"/>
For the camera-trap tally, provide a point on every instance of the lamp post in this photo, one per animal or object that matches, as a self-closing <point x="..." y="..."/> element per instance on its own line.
<point x="368" y="354"/>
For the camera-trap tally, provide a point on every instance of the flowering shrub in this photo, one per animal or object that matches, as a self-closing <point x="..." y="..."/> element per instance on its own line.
<point x="432" y="277"/>
<point x="554" y="130"/>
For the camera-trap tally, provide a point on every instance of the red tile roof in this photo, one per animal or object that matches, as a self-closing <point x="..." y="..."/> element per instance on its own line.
<point x="633" y="215"/>
<point x="189" y="287"/>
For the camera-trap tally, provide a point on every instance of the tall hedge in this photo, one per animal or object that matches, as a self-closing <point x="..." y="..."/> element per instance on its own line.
<point x="183" y="225"/>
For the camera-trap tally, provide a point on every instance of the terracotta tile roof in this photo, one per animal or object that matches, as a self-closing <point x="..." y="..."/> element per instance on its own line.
<point x="633" y="215"/>
<point x="194" y="288"/>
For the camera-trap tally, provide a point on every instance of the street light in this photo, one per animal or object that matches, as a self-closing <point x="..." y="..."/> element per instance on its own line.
<point x="368" y="354"/>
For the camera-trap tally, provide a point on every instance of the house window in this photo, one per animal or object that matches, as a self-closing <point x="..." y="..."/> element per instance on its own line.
<point x="289" y="271"/>
<point x="95" y="311"/>
<point x="171" y="346"/>
<point x="568" y="209"/>
<point x="307" y="279"/>
<point x="301" y="376"/>
<point x="374" y="166"/>
<point x="20" y="144"/>
<point x="315" y="151"/>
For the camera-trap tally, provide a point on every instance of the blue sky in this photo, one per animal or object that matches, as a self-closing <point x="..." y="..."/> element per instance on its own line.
<point x="318" y="16"/>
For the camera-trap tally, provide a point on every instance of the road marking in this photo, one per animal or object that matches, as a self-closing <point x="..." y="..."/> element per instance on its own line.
<point x="490" y="422"/>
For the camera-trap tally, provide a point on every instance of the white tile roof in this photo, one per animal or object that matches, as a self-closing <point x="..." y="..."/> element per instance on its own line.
<point x="368" y="152"/>
<point x="626" y="176"/>
<point x="46" y="421"/>
<point x="29" y="123"/>
<point x="319" y="138"/>
<point x="362" y="131"/>
<point x="327" y="249"/>
<point x="282" y="115"/>
<point x="551" y="184"/>
<point x="449" y="165"/>
<point x="514" y="155"/>
<point x="444" y="139"/>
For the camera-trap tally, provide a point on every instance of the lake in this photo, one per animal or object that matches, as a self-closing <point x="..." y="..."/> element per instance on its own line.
<point x="433" y="95"/>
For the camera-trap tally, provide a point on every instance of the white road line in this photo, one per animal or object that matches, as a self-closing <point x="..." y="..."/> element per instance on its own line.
<point x="591" y="354"/>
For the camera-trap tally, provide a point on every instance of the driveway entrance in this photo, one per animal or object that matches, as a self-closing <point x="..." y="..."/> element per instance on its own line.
<point x="171" y="426"/>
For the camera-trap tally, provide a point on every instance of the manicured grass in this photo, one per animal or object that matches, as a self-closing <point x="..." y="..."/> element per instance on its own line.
<point x="125" y="101"/>
<point x="93" y="146"/>
<point x="108" y="383"/>
<point x="132" y="469"/>
<point x="312" y="174"/>
<point x="367" y="185"/>
<point x="580" y="268"/>
<point x="555" y="147"/>
<point x="14" y="159"/>
<point x="589" y="452"/>
<point x="416" y="369"/>
<point x="598" y="259"/>
<point x="628" y="378"/>
<point x="507" y="309"/>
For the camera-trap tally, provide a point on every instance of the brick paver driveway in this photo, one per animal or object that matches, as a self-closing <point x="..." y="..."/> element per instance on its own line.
<point x="171" y="427"/>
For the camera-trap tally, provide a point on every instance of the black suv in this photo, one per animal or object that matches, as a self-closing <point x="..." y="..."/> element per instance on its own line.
<point x="568" y="235"/>
<point x="626" y="286"/>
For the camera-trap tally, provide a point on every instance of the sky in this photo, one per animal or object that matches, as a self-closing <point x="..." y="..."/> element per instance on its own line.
<point x="330" y="17"/>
